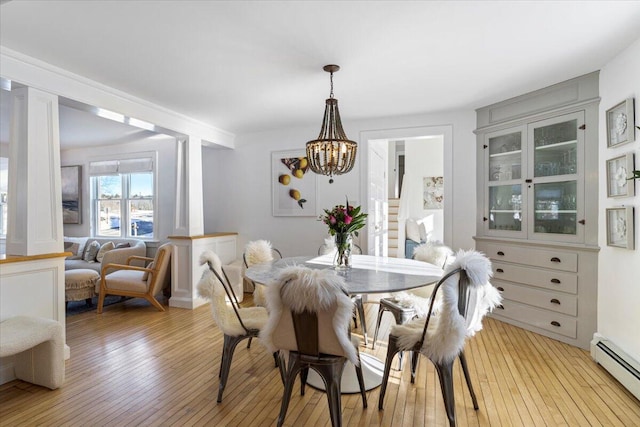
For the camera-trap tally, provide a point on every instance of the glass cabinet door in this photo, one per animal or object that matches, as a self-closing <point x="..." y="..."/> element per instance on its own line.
<point x="555" y="186"/>
<point x="504" y="160"/>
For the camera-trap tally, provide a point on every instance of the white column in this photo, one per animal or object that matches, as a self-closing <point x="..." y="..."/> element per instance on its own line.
<point x="188" y="223"/>
<point x="189" y="219"/>
<point x="35" y="197"/>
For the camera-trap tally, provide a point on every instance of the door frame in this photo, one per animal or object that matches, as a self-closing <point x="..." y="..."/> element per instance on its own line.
<point x="446" y="131"/>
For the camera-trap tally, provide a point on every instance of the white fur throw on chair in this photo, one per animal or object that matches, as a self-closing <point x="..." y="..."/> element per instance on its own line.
<point x="209" y="287"/>
<point x="314" y="291"/>
<point x="448" y="330"/>
<point x="258" y="252"/>
<point x="433" y="252"/>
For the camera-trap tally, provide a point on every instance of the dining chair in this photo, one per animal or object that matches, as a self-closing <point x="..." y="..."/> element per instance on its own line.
<point x="328" y="247"/>
<point x="138" y="282"/>
<point x="309" y="318"/>
<point x="453" y="317"/>
<point x="259" y="252"/>
<point x="235" y="322"/>
<point x="415" y="302"/>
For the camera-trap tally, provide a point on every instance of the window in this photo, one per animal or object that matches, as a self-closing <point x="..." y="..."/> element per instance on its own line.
<point x="122" y="195"/>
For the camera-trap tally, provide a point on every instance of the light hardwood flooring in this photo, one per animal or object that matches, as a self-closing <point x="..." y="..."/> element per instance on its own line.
<point x="133" y="365"/>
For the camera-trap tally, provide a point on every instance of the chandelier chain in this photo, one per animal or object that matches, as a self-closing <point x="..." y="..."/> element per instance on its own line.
<point x="331" y="79"/>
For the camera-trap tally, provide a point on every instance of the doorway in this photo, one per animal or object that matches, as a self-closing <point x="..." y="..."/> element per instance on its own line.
<point x="387" y="146"/>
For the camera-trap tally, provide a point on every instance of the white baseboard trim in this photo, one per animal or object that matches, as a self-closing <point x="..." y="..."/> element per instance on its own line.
<point x="619" y="364"/>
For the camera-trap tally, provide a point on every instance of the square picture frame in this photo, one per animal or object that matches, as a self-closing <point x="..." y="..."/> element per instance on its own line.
<point x="620" y="231"/>
<point x="620" y="124"/>
<point x="619" y="169"/>
<point x="293" y="184"/>
<point x="70" y="180"/>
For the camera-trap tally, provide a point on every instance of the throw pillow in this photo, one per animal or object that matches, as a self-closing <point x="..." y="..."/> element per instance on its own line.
<point x="81" y="241"/>
<point x="103" y="250"/>
<point x="71" y="247"/>
<point x="145" y="276"/>
<point x="422" y="228"/>
<point x="91" y="251"/>
<point x="123" y="245"/>
<point x="412" y="230"/>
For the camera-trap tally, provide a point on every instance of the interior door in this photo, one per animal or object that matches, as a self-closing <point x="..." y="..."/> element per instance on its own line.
<point x="378" y="205"/>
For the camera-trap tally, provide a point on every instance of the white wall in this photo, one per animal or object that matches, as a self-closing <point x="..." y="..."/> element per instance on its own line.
<point x="424" y="157"/>
<point x="619" y="269"/>
<point x="237" y="183"/>
<point x="164" y="146"/>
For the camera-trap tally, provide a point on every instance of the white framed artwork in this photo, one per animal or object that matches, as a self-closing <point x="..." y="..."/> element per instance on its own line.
<point x="293" y="184"/>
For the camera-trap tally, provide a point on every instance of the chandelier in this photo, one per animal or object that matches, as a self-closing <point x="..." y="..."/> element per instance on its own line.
<point x="332" y="153"/>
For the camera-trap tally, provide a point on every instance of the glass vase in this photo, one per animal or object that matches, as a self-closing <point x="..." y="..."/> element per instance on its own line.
<point x="344" y="242"/>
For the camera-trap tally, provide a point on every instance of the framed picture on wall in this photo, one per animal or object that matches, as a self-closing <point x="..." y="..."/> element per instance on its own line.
<point x="71" y="178"/>
<point x="620" y="124"/>
<point x="293" y="184"/>
<point x="620" y="227"/>
<point x="619" y="169"/>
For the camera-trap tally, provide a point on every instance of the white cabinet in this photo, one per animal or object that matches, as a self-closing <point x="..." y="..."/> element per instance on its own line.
<point x="537" y="157"/>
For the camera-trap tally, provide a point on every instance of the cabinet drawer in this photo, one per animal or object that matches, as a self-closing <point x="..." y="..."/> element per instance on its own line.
<point x="554" y="280"/>
<point x="554" y="301"/>
<point x="553" y="259"/>
<point x="543" y="319"/>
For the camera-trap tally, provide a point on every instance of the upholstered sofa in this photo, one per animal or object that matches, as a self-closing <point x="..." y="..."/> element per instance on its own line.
<point x="113" y="256"/>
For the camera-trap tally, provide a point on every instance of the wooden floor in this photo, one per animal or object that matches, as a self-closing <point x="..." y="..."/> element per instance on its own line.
<point x="133" y="365"/>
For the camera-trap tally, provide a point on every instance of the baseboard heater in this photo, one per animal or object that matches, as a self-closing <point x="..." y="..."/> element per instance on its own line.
<point x="618" y="363"/>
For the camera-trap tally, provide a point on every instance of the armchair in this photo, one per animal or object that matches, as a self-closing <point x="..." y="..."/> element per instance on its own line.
<point x="138" y="282"/>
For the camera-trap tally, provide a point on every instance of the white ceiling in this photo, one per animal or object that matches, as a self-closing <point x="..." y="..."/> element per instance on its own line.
<point x="247" y="66"/>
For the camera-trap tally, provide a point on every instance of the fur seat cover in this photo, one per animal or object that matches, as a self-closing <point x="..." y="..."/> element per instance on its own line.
<point x="435" y="253"/>
<point x="447" y="329"/>
<point x="299" y="288"/>
<point x="209" y="287"/>
<point x="258" y="252"/>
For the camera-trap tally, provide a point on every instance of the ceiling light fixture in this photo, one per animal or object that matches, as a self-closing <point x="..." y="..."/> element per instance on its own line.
<point x="332" y="153"/>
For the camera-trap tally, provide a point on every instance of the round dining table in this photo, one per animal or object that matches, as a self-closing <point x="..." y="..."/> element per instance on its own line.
<point x="367" y="275"/>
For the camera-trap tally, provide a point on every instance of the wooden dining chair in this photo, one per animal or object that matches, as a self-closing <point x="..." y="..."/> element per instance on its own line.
<point x="309" y="317"/>
<point x="236" y="323"/>
<point x="467" y="296"/>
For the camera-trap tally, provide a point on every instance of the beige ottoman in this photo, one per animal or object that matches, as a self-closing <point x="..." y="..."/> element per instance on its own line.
<point x="80" y="285"/>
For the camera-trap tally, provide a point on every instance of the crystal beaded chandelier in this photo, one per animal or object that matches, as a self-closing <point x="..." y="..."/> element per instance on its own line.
<point x="332" y="153"/>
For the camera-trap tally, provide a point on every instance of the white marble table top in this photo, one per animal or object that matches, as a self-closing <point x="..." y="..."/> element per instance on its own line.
<point x="368" y="275"/>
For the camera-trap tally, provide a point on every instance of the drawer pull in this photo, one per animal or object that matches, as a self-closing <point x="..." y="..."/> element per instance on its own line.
<point x="554" y="323"/>
<point x="555" y="259"/>
<point x="500" y="288"/>
<point x="500" y="253"/>
<point x="499" y="270"/>
<point x="556" y="281"/>
<point x="555" y="301"/>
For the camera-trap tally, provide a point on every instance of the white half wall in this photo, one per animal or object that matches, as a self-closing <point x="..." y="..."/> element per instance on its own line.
<point x="619" y="269"/>
<point x="237" y="183"/>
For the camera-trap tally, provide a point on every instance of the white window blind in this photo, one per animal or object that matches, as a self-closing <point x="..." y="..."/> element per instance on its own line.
<point x="144" y="164"/>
